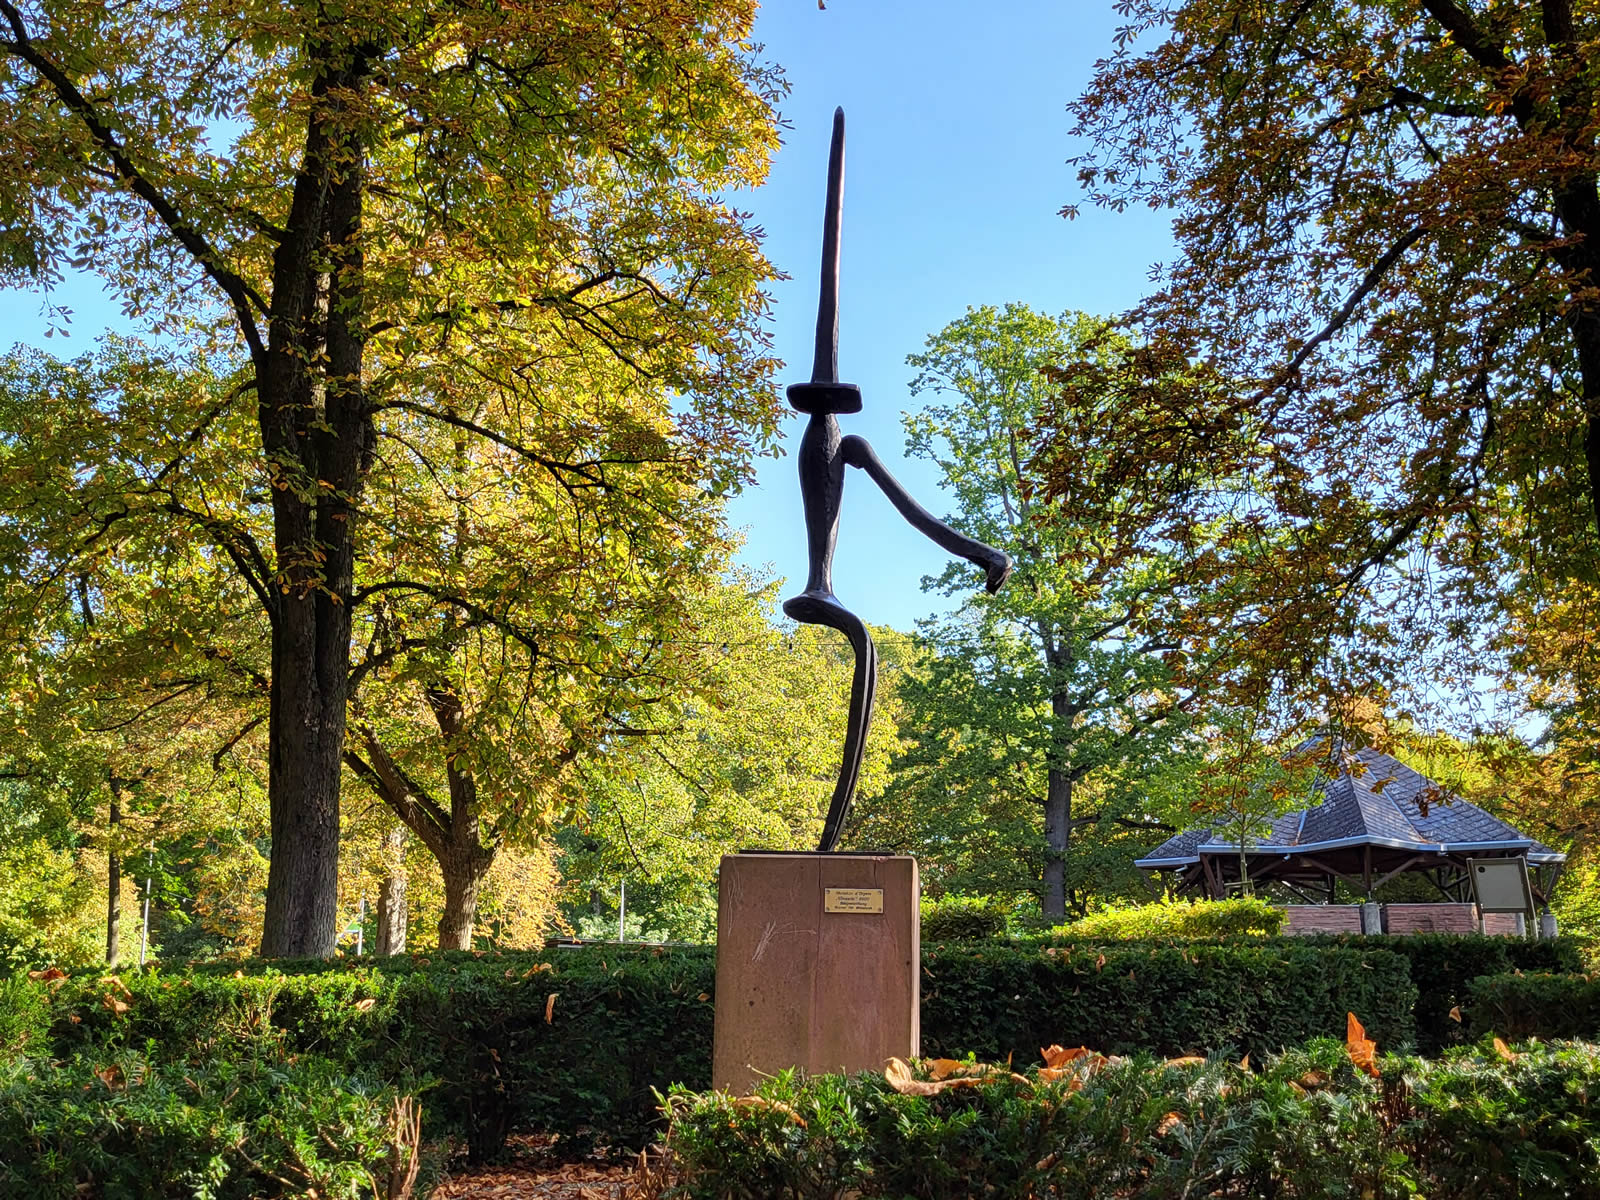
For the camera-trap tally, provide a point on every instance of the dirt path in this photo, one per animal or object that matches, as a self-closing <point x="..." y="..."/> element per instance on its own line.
<point x="573" y="1181"/>
<point x="533" y="1173"/>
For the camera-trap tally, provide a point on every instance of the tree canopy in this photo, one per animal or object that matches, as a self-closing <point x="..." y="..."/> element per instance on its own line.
<point x="370" y="219"/>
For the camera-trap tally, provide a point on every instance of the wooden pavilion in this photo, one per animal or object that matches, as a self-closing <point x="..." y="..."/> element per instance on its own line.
<point x="1377" y="819"/>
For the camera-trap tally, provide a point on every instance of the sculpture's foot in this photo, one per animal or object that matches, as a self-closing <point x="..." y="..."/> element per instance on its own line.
<point x="998" y="570"/>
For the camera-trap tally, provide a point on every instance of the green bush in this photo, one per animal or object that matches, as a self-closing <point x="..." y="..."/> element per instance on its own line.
<point x="1443" y="966"/>
<point x="1242" y="917"/>
<point x="1307" y="1126"/>
<point x="122" y="1126"/>
<point x="472" y="1029"/>
<point x="24" y="1017"/>
<point x="996" y="1000"/>
<point x="1524" y="1006"/>
<point x="963" y="919"/>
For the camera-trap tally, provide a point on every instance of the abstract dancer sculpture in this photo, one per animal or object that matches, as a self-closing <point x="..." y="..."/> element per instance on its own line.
<point x="823" y="456"/>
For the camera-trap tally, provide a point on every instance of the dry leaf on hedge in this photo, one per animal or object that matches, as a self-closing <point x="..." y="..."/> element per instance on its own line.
<point x="550" y="1008"/>
<point x="1455" y="1013"/>
<point x="1186" y="1060"/>
<point x="110" y="1076"/>
<point x="1099" y="962"/>
<point x="1244" y="1063"/>
<point x="115" y="1005"/>
<point x="536" y="969"/>
<point x="365" y="1005"/>
<point x="1311" y="1081"/>
<point x="1057" y="1056"/>
<point x="897" y="1073"/>
<point x="48" y="975"/>
<point x="1168" y="1123"/>
<point x="1504" y="1051"/>
<point x="1363" y="1051"/>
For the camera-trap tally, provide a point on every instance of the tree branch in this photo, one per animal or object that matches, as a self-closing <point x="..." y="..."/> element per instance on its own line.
<point x="239" y="293"/>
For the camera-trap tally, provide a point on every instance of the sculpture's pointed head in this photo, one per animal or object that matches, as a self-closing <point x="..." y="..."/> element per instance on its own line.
<point x="824" y="393"/>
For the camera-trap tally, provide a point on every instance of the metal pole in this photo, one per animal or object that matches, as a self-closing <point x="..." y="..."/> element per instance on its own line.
<point x="144" y="932"/>
<point x="622" y="914"/>
<point x="361" y="931"/>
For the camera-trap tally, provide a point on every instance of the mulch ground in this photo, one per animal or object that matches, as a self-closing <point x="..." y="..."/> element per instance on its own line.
<point x="533" y="1171"/>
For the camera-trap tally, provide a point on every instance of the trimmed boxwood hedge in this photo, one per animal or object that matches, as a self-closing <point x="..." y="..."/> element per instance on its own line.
<point x="473" y="1028"/>
<point x="492" y="1050"/>
<point x="1524" y="1006"/>
<point x="996" y="1001"/>
<point x="117" y="1125"/>
<point x="1307" y="1126"/>
<point x="1443" y="966"/>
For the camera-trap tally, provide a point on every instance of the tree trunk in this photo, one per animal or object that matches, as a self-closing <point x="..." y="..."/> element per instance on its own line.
<point x="463" y="875"/>
<point x="317" y="433"/>
<point x="1058" y="785"/>
<point x="113" y="877"/>
<point x="305" y="757"/>
<point x="392" y="897"/>
<point x="1057" y="826"/>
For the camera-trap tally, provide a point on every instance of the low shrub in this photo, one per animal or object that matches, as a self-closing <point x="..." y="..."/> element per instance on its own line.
<point x="1545" y="1006"/>
<point x="566" y="1042"/>
<point x="995" y="1000"/>
<point x="963" y="919"/>
<point x="1241" y="917"/>
<point x="1443" y="966"/>
<point x="1309" y="1125"/>
<point x="123" y="1126"/>
<point x="496" y="1053"/>
<point x="24" y="1017"/>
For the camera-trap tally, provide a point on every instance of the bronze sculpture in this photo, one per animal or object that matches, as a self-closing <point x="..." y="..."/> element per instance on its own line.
<point x="823" y="456"/>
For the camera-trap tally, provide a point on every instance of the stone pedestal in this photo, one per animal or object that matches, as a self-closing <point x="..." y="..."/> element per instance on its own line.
<point x="818" y="964"/>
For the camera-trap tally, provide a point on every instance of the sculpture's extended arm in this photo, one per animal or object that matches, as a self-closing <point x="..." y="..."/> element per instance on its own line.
<point x="858" y="452"/>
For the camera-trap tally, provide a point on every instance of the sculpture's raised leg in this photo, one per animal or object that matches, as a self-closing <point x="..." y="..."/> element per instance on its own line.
<point x="996" y="564"/>
<point x="812" y="608"/>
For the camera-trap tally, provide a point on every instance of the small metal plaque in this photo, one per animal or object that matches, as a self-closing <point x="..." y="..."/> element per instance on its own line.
<point x="852" y="900"/>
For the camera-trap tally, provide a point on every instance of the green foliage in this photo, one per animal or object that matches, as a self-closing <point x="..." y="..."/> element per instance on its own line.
<point x="1444" y="965"/>
<point x="1241" y="917"/>
<point x="117" y="1124"/>
<point x="479" y="1031"/>
<point x="999" y="1001"/>
<point x="963" y="919"/>
<point x="747" y="759"/>
<point x="24" y="1017"/>
<point x="1524" y="1006"/>
<point x="1306" y="1126"/>
<point x="472" y="1028"/>
<point x="1028" y="707"/>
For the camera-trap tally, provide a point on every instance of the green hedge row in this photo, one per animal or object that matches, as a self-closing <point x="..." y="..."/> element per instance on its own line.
<point x="1545" y="1006"/>
<point x="1242" y="916"/>
<point x="1443" y="966"/>
<point x="497" y="1054"/>
<point x="996" y="1001"/>
<point x="1308" y="1127"/>
<point x="561" y="1041"/>
<point x="120" y="1126"/>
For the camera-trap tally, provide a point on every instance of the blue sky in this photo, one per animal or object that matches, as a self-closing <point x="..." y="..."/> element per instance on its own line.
<point x="956" y="171"/>
<point x="957" y="140"/>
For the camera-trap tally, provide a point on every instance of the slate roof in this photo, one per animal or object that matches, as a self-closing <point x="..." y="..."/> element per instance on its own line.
<point x="1375" y="800"/>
